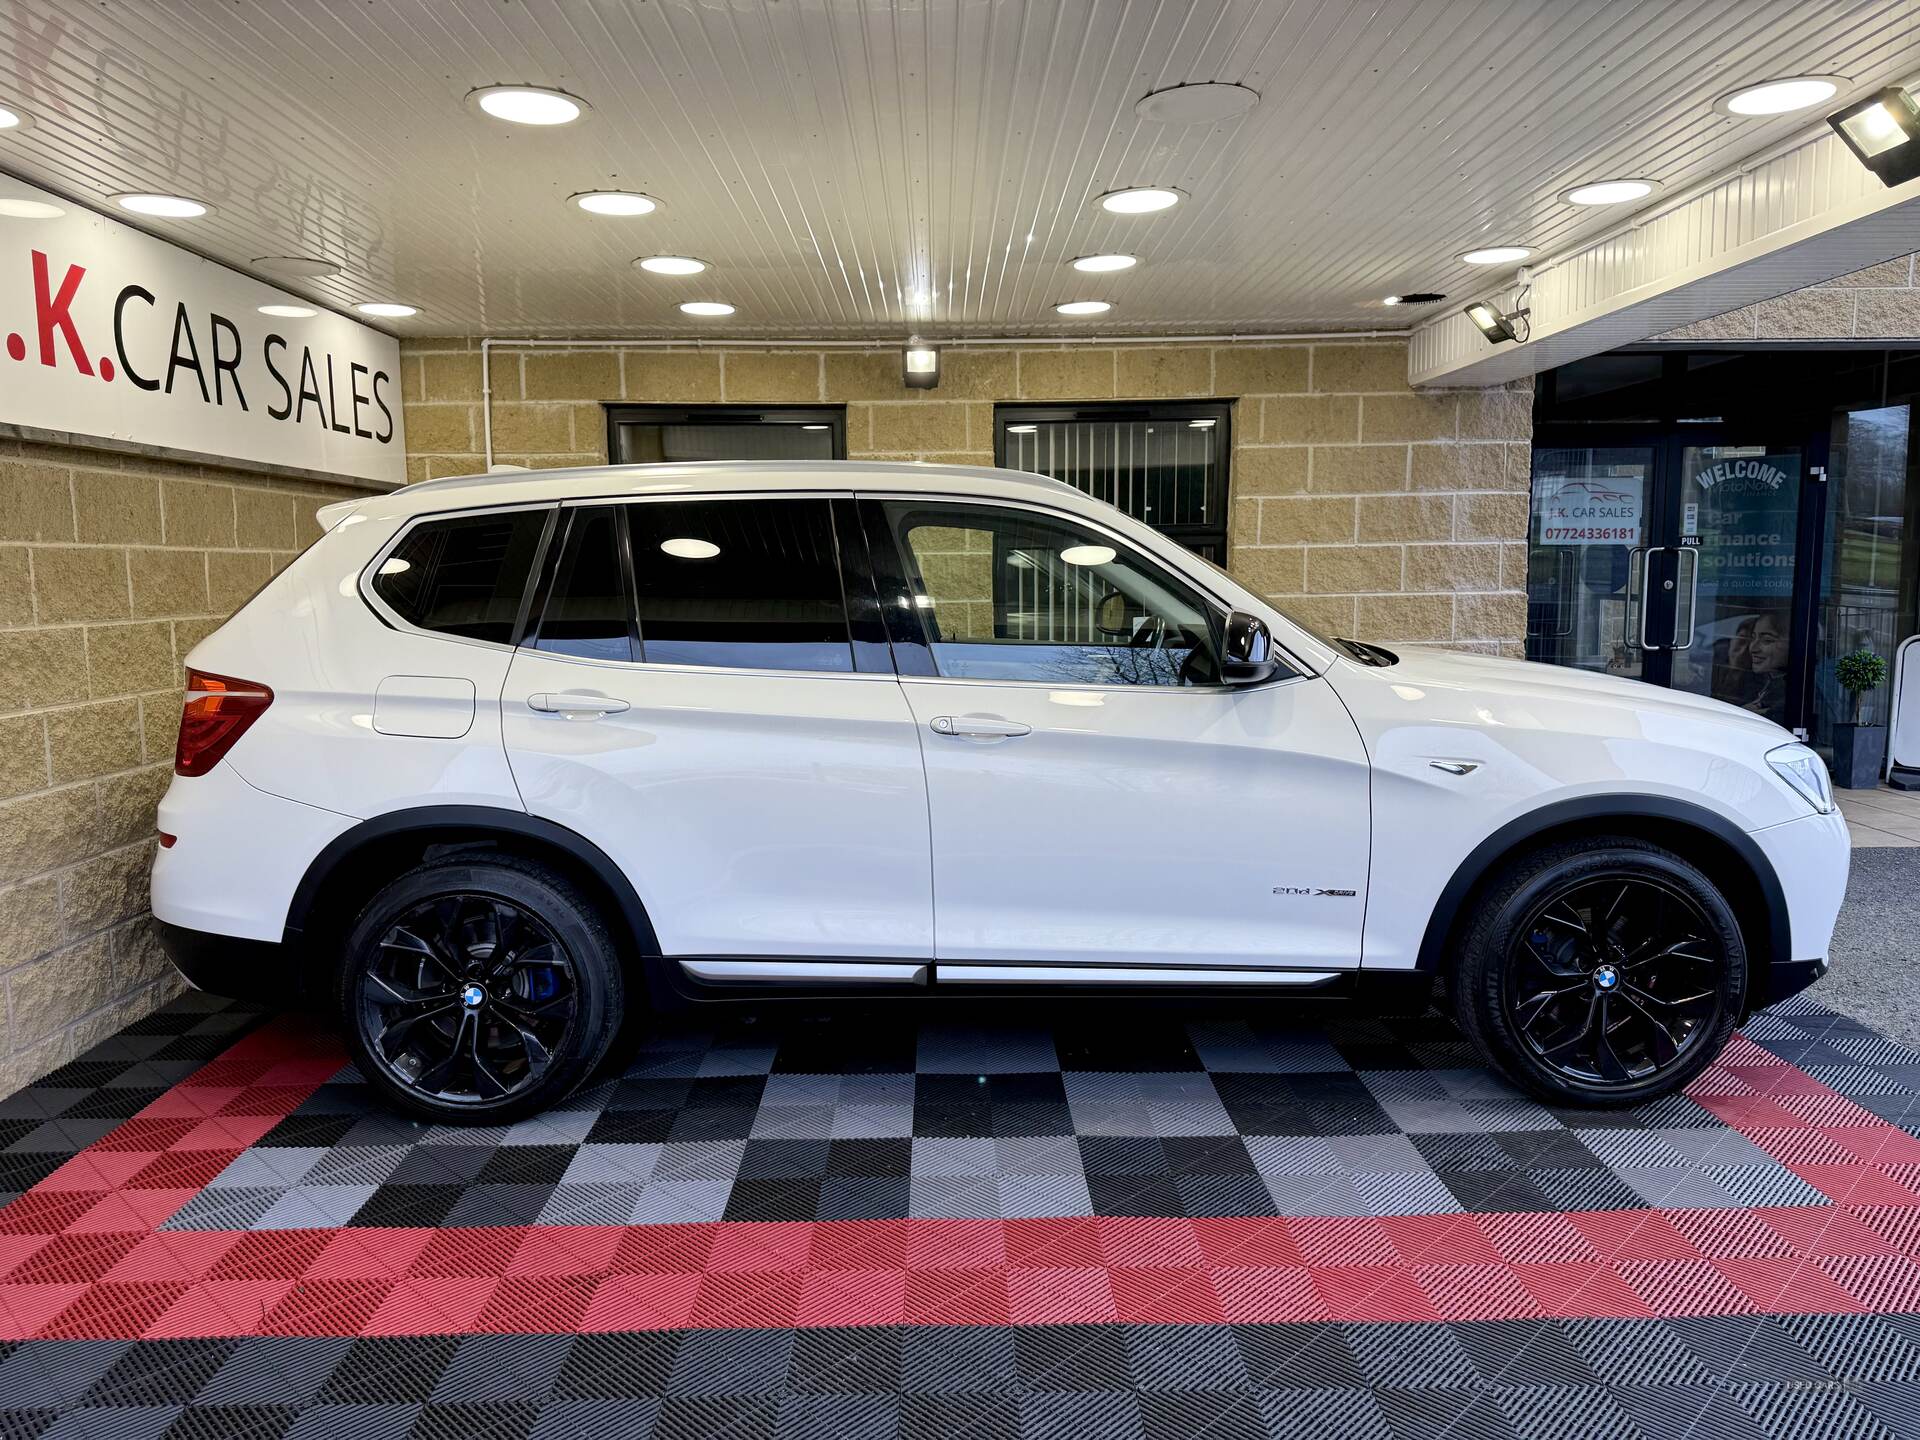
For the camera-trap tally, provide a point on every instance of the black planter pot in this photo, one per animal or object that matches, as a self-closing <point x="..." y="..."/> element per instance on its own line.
<point x="1859" y="755"/>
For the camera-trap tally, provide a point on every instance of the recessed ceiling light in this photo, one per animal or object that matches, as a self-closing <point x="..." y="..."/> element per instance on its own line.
<point x="16" y="207"/>
<point x="11" y="119"/>
<point x="706" y="307"/>
<point x="1780" y="97"/>
<point x="1140" y="200"/>
<point x="671" y="264"/>
<point x="386" y="310"/>
<point x="1021" y="429"/>
<point x="1206" y="103"/>
<point x="1207" y="424"/>
<point x="528" y="104"/>
<point x="1609" y="192"/>
<point x="816" y="427"/>
<point x="688" y="548"/>
<point x="165" y="207"/>
<point x="1083" y="307"/>
<point x="288" y="312"/>
<point x="1089" y="554"/>
<point x="1101" y="264"/>
<point x="297" y="267"/>
<point x="615" y="202"/>
<point x="1497" y="255"/>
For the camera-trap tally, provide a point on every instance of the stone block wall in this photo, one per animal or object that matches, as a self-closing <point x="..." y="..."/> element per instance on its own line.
<point x="1358" y="504"/>
<point x="111" y="569"/>
<point x="1881" y="302"/>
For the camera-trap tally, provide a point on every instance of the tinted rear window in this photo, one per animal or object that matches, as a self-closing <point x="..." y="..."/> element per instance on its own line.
<point x="749" y="583"/>
<point x="464" y="575"/>
<point x="589" y="613"/>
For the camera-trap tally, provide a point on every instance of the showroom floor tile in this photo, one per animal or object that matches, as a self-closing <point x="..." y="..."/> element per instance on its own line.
<point x="846" y="1224"/>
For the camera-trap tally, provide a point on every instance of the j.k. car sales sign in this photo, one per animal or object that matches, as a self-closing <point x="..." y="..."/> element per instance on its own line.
<point x="112" y="333"/>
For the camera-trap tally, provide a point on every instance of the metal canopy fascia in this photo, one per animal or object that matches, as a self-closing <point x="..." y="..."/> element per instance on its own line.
<point x="1793" y="218"/>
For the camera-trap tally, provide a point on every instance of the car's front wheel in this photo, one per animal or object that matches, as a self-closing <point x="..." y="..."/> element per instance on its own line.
<point x="479" y="990"/>
<point x="1605" y="972"/>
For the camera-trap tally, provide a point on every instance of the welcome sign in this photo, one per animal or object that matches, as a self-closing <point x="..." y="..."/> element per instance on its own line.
<point x="111" y="333"/>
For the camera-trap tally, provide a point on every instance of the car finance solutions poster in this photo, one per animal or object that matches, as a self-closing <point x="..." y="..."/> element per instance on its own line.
<point x="1746" y="525"/>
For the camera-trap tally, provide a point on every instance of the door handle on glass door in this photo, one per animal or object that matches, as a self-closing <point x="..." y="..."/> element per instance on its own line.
<point x="1646" y="592"/>
<point x="575" y="705"/>
<point x="979" y="727"/>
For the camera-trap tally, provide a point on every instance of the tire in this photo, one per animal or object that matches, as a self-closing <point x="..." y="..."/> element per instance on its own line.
<point x="443" y="1025"/>
<point x="1575" y="960"/>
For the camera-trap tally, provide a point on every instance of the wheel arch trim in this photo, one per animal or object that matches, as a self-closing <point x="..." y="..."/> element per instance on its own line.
<point x="481" y="822"/>
<point x="1584" y="811"/>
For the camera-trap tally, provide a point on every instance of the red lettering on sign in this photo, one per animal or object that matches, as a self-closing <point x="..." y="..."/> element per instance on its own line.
<point x="55" y="312"/>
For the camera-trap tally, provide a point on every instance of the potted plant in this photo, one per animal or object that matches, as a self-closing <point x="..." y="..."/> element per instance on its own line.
<point x="1859" y="751"/>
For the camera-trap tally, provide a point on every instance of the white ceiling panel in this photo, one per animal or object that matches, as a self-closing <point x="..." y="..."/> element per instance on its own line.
<point x="836" y="158"/>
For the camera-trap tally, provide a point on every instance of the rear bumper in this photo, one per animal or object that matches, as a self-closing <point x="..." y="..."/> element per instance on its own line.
<point x="228" y="965"/>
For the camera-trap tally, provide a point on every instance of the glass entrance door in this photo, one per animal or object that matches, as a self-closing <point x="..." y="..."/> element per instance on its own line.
<point x="1674" y="560"/>
<point x="1586" y="552"/>
<point x="1736" y="557"/>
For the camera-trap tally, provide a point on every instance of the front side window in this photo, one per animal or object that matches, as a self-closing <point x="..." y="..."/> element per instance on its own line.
<point x="464" y="575"/>
<point x="748" y="583"/>
<point x="1008" y="594"/>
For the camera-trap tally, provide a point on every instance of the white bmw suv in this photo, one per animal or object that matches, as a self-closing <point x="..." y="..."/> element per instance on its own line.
<point x="500" y="762"/>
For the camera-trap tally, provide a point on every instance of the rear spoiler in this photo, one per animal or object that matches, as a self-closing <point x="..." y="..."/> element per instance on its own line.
<point x="331" y="515"/>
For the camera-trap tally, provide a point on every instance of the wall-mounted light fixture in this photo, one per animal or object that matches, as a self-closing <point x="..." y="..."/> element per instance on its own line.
<point x="1492" y="322"/>
<point x="920" y="366"/>
<point x="1881" y="131"/>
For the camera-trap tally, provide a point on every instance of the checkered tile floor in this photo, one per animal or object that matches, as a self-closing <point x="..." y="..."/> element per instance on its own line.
<point x="838" y="1122"/>
<point x="847" y="1224"/>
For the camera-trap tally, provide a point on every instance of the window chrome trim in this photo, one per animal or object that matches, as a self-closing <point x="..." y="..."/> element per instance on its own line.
<point x="395" y="621"/>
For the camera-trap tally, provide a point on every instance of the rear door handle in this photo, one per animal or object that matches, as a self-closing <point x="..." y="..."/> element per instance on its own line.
<point x="575" y="704"/>
<point x="979" y="727"/>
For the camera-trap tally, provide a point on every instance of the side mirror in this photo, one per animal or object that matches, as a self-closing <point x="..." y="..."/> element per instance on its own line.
<point x="1247" y="658"/>
<point x="1110" y="615"/>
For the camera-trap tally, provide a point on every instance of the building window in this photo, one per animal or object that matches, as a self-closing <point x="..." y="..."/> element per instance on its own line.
<point x="1163" y="464"/>
<point x="664" y="434"/>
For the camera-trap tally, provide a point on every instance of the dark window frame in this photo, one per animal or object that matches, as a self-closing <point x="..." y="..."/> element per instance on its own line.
<point x="834" y="416"/>
<point x="1194" y="537"/>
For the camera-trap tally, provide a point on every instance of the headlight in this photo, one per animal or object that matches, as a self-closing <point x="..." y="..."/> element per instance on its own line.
<point x="1803" y="770"/>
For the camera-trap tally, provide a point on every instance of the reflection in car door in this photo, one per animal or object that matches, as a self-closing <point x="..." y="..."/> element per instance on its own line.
<point x="726" y="742"/>
<point x="1113" y="811"/>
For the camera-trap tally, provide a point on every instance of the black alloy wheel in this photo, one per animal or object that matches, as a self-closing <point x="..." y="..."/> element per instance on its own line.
<point x="467" y="999"/>
<point x="478" y="992"/>
<point x="1606" y="971"/>
<point x="1613" y="980"/>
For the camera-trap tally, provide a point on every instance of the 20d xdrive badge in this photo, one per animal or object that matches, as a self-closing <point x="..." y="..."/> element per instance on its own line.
<point x="1309" y="890"/>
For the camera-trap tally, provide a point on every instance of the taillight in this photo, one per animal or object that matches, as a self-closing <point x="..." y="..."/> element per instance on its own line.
<point x="218" y="711"/>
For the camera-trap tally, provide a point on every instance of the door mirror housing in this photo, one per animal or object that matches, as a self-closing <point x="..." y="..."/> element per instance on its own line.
<point x="1247" y="657"/>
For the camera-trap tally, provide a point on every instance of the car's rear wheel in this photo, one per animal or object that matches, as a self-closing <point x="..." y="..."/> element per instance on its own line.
<point x="1606" y="972"/>
<point x="479" y="991"/>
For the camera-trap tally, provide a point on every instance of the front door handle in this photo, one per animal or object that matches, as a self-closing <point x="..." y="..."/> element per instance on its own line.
<point x="575" y="704"/>
<point x="979" y="727"/>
